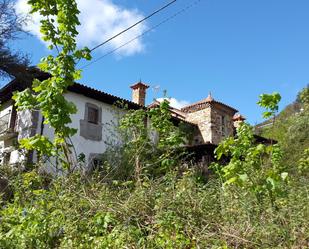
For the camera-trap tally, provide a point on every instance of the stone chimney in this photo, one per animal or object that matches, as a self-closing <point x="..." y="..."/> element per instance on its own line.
<point x="238" y="119"/>
<point x="139" y="93"/>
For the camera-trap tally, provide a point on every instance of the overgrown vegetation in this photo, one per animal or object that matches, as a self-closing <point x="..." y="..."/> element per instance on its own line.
<point x="175" y="209"/>
<point x="252" y="166"/>
<point x="58" y="28"/>
<point x="150" y="147"/>
<point x="172" y="211"/>
<point x="145" y="197"/>
<point x="291" y="130"/>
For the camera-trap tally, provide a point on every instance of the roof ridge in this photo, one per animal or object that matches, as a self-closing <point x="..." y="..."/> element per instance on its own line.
<point x="209" y="99"/>
<point x="103" y="92"/>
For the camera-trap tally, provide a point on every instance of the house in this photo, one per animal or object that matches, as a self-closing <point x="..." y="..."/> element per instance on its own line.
<point x="211" y="120"/>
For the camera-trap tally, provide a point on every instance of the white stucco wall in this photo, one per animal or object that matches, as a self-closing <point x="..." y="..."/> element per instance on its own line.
<point x="5" y="108"/>
<point x="24" y="126"/>
<point x="110" y="117"/>
<point x="27" y="125"/>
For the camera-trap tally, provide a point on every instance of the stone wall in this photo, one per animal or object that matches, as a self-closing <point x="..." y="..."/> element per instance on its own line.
<point x="27" y="123"/>
<point x="215" y="123"/>
<point x="203" y="119"/>
<point x="222" y="124"/>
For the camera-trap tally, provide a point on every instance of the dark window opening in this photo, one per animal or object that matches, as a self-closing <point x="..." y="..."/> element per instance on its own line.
<point x="6" y="158"/>
<point x="97" y="164"/>
<point x="223" y="125"/>
<point x="93" y="115"/>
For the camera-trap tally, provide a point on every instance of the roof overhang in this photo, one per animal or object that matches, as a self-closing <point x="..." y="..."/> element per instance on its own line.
<point x="7" y="91"/>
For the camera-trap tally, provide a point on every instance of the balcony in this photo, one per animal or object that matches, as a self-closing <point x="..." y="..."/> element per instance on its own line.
<point x="7" y="127"/>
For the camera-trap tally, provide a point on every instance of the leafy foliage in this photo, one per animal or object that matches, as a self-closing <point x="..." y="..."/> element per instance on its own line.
<point x="270" y="102"/>
<point x="304" y="97"/>
<point x="173" y="211"/>
<point x="253" y="167"/>
<point x="150" y="142"/>
<point x="58" y="28"/>
<point x="304" y="162"/>
<point x="291" y="130"/>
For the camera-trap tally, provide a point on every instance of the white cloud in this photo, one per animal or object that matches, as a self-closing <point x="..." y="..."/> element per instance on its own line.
<point x="175" y="102"/>
<point x="100" y="20"/>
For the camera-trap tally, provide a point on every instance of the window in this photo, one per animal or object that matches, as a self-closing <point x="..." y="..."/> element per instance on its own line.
<point x="96" y="162"/>
<point x="93" y="115"/>
<point x="91" y="125"/>
<point x="223" y="125"/>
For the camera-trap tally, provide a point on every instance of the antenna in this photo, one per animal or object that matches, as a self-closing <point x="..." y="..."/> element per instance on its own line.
<point x="156" y="90"/>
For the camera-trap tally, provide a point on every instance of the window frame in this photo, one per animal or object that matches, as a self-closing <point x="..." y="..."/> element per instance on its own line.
<point x="91" y="130"/>
<point x="96" y="115"/>
<point x="98" y="109"/>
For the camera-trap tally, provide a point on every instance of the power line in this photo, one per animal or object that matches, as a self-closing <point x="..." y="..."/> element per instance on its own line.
<point x="135" y="24"/>
<point x="144" y="33"/>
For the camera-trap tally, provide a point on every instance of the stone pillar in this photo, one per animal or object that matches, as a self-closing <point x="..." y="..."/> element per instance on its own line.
<point x="139" y="93"/>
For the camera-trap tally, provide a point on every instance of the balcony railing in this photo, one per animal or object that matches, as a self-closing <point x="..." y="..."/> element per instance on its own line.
<point x="5" y="122"/>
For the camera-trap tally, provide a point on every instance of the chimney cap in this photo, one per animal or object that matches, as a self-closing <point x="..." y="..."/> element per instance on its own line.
<point x="238" y="117"/>
<point x="139" y="85"/>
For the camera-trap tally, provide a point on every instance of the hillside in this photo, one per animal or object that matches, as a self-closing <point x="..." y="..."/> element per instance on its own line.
<point x="290" y="129"/>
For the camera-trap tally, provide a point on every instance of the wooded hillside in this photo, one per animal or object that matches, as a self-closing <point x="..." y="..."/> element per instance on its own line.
<point x="291" y="128"/>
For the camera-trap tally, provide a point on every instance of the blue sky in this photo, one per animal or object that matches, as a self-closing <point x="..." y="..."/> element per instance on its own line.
<point x="235" y="49"/>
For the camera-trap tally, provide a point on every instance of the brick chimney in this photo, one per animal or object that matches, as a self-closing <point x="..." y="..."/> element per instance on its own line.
<point x="139" y="93"/>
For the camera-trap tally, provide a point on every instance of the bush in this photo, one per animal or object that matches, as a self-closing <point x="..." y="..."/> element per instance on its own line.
<point x="170" y="212"/>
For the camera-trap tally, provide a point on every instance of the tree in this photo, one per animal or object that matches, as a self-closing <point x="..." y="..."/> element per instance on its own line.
<point x="12" y="64"/>
<point x="270" y="103"/>
<point x="253" y="167"/>
<point x="154" y="148"/>
<point x="58" y="28"/>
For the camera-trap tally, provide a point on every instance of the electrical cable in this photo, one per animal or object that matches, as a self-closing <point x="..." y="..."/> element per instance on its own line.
<point x="135" y="24"/>
<point x="144" y="33"/>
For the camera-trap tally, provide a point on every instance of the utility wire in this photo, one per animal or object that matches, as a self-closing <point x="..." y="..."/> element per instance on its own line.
<point x="144" y="33"/>
<point x="135" y="24"/>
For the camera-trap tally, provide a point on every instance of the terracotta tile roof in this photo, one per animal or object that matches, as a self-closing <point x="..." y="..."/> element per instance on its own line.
<point x="200" y="104"/>
<point x="101" y="96"/>
<point x="20" y="85"/>
<point x="139" y="84"/>
<point x="176" y="113"/>
<point x="155" y="103"/>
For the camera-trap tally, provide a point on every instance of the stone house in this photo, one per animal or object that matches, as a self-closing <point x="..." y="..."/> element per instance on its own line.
<point x="210" y="119"/>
